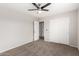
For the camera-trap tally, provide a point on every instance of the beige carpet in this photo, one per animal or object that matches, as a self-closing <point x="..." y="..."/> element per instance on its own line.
<point x="42" y="48"/>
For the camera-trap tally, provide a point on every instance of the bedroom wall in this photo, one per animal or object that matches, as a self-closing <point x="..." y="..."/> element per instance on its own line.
<point x="63" y="28"/>
<point x="16" y="29"/>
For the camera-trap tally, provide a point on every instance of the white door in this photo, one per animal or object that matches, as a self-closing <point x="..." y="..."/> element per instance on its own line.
<point x="36" y="30"/>
<point x="59" y="30"/>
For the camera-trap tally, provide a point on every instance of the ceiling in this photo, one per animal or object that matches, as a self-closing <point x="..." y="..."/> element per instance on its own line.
<point x="54" y="8"/>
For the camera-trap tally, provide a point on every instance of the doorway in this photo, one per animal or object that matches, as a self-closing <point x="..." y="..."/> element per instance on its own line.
<point x="41" y="30"/>
<point x="38" y="30"/>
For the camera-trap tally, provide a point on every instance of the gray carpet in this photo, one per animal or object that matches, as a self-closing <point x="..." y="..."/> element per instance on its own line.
<point x="42" y="48"/>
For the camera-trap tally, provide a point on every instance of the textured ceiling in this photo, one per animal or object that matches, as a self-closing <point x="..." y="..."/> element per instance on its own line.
<point x="54" y="8"/>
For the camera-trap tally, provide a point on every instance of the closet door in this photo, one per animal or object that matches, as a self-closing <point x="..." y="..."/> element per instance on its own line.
<point x="59" y="30"/>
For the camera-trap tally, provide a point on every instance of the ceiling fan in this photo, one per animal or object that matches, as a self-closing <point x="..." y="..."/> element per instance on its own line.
<point x="39" y="7"/>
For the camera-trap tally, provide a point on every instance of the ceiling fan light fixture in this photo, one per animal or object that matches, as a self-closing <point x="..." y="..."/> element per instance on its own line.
<point x="39" y="9"/>
<point x="39" y="12"/>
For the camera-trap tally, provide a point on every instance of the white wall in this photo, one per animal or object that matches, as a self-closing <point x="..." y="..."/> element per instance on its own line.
<point x="15" y="29"/>
<point x="60" y="34"/>
<point x="73" y="29"/>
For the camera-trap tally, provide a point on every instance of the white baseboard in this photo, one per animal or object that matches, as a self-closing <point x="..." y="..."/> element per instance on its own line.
<point x="73" y="46"/>
<point x="65" y="44"/>
<point x="15" y="46"/>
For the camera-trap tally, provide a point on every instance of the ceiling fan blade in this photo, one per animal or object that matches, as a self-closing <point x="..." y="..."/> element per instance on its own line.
<point x="32" y="9"/>
<point x="36" y="5"/>
<point x="45" y="5"/>
<point x="44" y="9"/>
